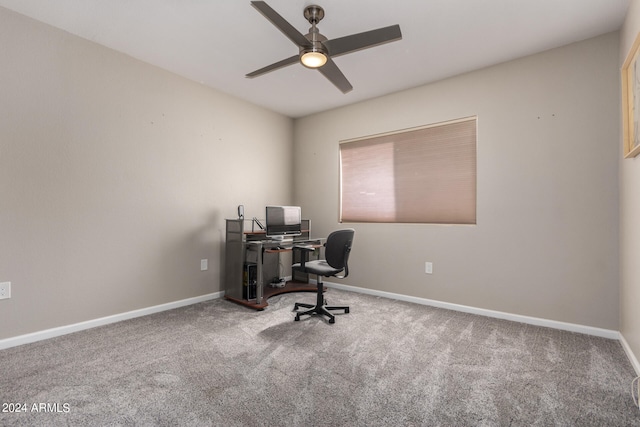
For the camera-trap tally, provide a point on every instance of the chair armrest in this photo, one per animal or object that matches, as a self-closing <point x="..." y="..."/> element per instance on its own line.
<point x="346" y="264"/>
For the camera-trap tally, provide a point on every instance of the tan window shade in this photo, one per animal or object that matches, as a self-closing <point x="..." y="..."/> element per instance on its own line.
<point x="422" y="175"/>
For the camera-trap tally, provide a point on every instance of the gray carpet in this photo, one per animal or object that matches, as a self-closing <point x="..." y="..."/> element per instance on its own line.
<point x="387" y="363"/>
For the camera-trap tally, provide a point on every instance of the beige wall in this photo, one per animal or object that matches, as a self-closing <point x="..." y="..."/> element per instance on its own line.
<point x="546" y="240"/>
<point x="116" y="177"/>
<point x="629" y="214"/>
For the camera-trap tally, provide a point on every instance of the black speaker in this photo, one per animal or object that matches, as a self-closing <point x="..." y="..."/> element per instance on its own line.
<point x="240" y="211"/>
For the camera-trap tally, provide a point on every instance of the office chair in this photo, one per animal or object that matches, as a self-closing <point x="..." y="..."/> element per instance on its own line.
<point x="336" y="252"/>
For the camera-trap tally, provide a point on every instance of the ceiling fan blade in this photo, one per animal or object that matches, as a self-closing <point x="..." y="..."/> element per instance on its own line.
<point x="281" y="23"/>
<point x="331" y="71"/>
<point x="367" y="39"/>
<point x="280" y="64"/>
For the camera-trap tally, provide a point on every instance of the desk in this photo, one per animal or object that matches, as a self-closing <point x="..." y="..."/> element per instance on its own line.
<point x="245" y="264"/>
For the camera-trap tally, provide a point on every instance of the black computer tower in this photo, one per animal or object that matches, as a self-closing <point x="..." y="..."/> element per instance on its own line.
<point x="249" y="281"/>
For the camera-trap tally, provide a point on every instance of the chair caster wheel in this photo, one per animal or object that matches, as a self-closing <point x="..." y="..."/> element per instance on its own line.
<point x="332" y="320"/>
<point x="297" y="318"/>
<point x="346" y="310"/>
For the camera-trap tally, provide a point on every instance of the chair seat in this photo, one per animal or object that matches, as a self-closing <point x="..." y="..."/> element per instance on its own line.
<point x="320" y="267"/>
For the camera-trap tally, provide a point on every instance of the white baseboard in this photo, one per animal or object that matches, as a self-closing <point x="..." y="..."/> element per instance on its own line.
<point x="630" y="355"/>
<point x="63" y="330"/>
<point x="589" y="330"/>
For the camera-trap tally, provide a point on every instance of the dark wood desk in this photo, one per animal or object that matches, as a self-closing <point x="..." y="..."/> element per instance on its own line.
<point x="240" y="243"/>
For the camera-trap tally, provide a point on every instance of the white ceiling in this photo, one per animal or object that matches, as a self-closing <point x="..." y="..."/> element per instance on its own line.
<point x="217" y="42"/>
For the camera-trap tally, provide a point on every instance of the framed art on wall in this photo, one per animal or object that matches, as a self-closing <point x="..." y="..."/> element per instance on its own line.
<point x="631" y="101"/>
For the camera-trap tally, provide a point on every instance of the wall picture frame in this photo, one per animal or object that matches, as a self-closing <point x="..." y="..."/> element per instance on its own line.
<point x="631" y="101"/>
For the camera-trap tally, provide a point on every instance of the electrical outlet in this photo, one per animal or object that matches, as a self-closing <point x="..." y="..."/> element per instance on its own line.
<point x="428" y="267"/>
<point x="5" y="290"/>
<point x="204" y="264"/>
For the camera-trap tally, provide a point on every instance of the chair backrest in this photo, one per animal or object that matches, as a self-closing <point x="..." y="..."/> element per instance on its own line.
<point x="338" y="247"/>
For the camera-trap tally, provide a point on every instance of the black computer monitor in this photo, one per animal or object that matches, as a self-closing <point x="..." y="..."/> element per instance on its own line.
<point x="283" y="221"/>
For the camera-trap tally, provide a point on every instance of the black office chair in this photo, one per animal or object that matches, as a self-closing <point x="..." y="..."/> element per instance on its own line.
<point x="336" y="252"/>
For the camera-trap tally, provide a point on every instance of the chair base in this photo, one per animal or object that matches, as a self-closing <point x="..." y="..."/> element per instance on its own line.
<point x="319" y="307"/>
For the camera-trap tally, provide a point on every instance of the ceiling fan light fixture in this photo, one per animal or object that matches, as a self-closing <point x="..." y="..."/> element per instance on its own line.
<point x="313" y="58"/>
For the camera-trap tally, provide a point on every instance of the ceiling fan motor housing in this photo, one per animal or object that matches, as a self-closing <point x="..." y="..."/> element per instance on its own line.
<point x="316" y="46"/>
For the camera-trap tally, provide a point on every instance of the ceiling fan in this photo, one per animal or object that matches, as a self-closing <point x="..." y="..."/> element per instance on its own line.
<point x="315" y="50"/>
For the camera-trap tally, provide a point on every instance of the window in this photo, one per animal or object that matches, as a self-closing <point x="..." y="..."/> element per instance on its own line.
<point x="419" y="175"/>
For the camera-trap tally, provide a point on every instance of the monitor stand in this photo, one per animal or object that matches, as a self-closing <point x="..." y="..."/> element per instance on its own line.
<point x="281" y="239"/>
